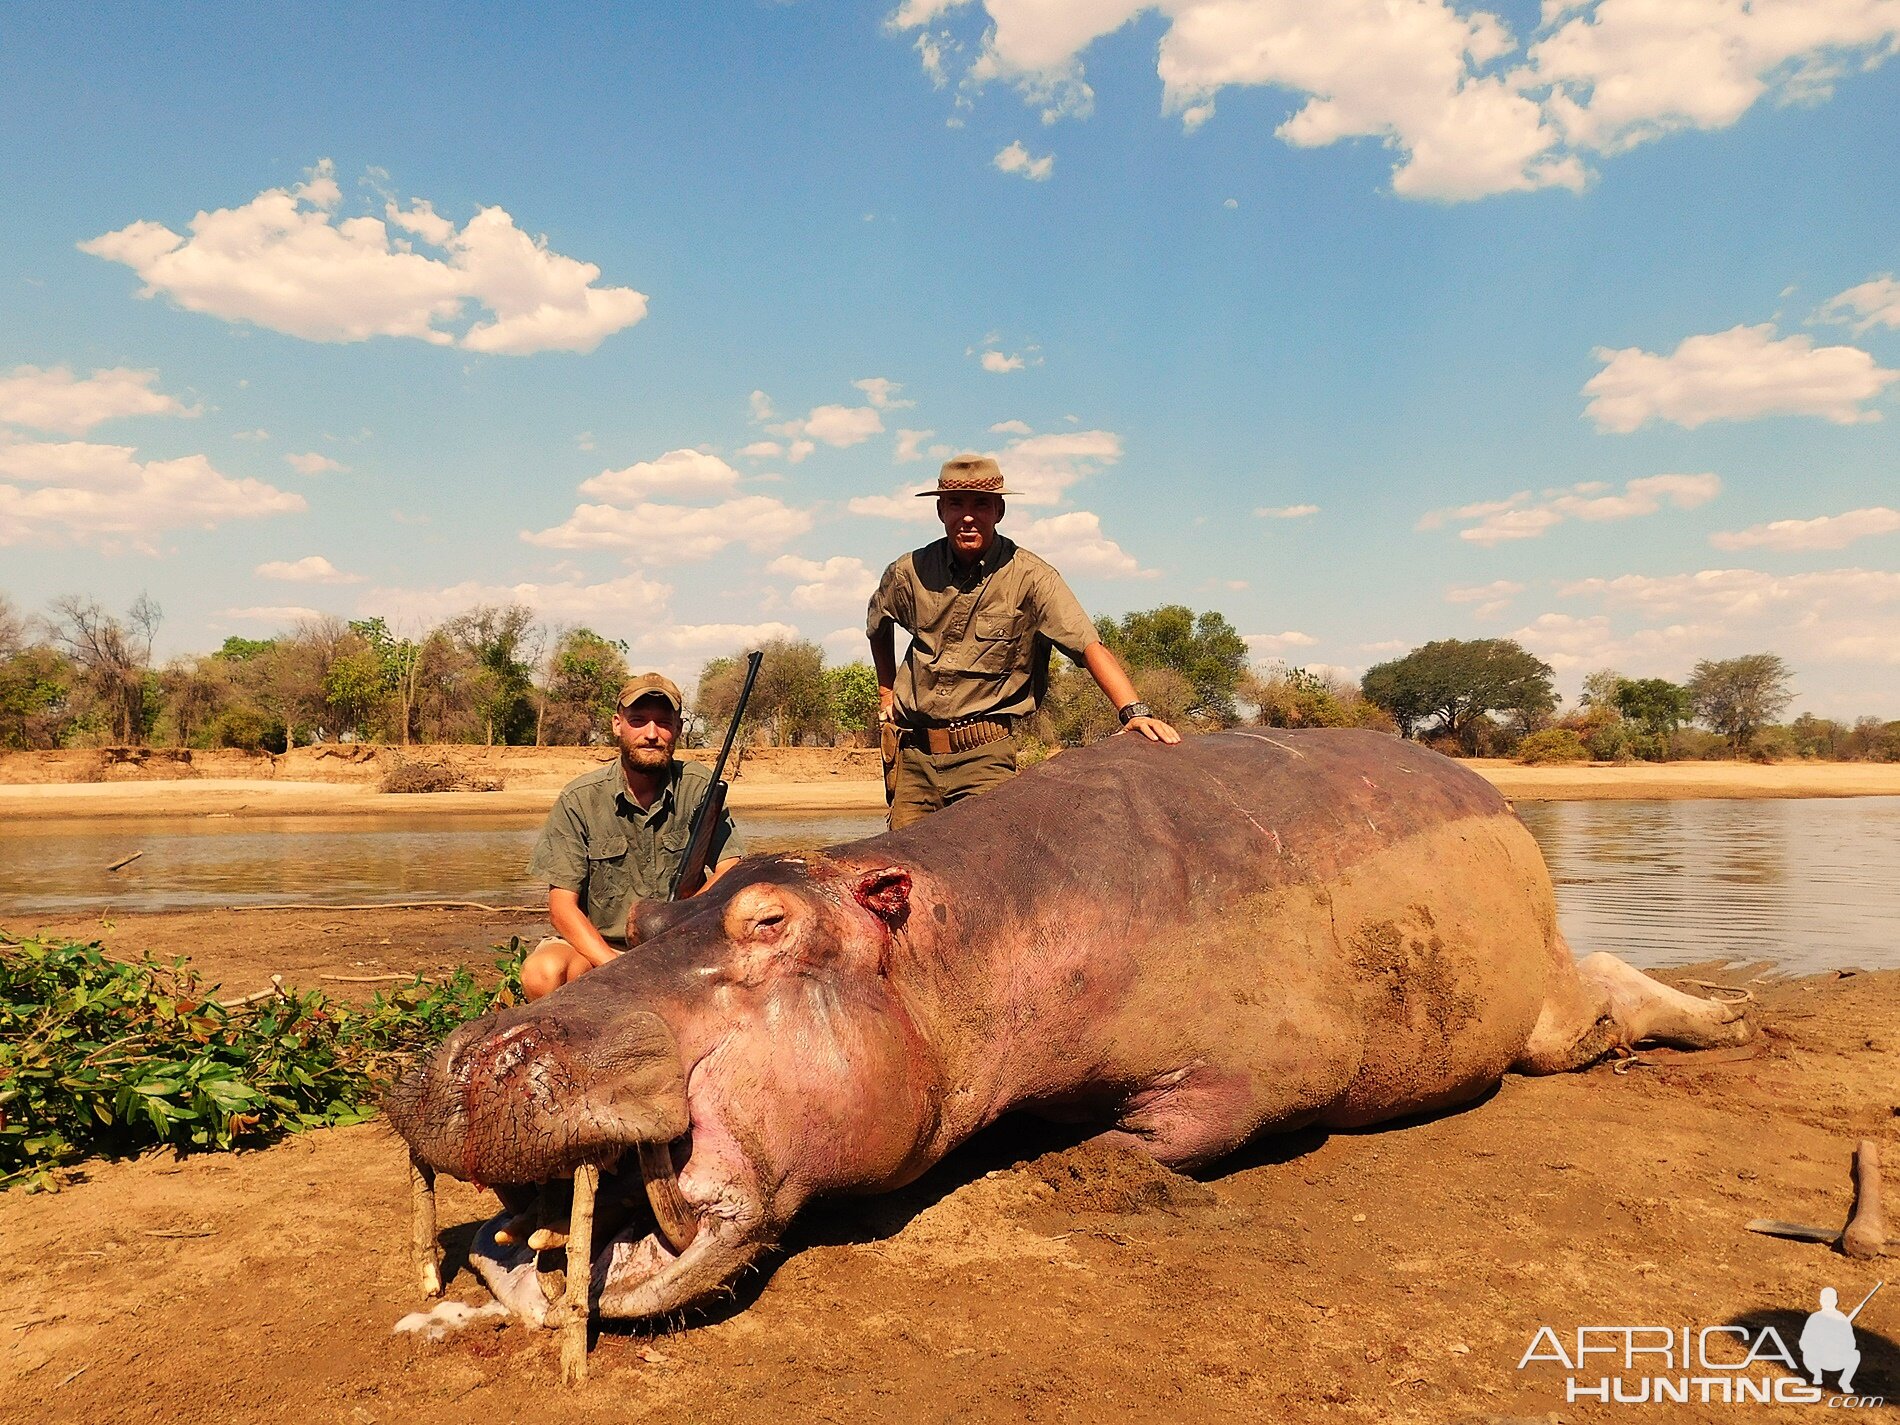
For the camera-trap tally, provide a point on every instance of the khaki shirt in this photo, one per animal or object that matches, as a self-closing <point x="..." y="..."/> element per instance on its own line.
<point x="601" y="845"/>
<point x="980" y="637"/>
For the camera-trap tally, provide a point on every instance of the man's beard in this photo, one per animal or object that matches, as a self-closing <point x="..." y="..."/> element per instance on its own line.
<point x="647" y="759"/>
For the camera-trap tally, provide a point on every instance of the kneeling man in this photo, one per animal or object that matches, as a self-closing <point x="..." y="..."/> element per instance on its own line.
<point x="617" y="836"/>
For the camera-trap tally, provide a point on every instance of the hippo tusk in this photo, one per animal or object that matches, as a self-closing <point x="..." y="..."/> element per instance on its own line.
<point x="677" y="1221"/>
<point x="422" y="1244"/>
<point x="580" y="1271"/>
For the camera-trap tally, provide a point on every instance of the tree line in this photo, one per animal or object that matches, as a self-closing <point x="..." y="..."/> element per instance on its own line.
<point x="81" y="675"/>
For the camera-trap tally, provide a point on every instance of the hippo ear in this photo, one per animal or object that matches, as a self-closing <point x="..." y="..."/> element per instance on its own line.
<point x="886" y="894"/>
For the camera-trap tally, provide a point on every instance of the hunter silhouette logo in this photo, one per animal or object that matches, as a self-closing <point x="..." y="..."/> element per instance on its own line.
<point x="1728" y="1364"/>
<point x="1827" y="1341"/>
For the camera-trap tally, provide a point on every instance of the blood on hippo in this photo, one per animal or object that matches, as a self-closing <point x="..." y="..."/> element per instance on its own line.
<point x="1186" y="947"/>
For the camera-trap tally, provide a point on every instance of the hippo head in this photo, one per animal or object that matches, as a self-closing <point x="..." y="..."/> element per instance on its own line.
<point x="756" y="1051"/>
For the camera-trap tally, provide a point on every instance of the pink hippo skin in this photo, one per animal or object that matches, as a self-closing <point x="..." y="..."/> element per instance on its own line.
<point x="1248" y="933"/>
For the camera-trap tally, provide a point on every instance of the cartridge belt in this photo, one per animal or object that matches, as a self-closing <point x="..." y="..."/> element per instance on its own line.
<point x="965" y="735"/>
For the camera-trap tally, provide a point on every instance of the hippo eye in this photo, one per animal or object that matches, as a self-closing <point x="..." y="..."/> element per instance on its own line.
<point x="766" y="927"/>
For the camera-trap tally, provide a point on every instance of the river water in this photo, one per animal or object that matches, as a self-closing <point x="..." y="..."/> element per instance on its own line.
<point x="1806" y="884"/>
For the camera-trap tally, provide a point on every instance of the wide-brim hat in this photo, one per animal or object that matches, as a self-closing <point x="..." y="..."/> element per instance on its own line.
<point x="968" y="475"/>
<point x="648" y="685"/>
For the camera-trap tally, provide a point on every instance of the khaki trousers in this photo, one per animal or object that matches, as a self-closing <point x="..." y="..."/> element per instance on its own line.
<point x="921" y="783"/>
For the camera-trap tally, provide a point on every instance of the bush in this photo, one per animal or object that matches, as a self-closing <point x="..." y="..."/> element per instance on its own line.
<point x="414" y="774"/>
<point x="102" y="1056"/>
<point x="1553" y="744"/>
<point x="1611" y="742"/>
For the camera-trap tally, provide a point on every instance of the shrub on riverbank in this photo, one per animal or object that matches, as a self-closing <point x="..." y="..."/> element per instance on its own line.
<point x="1553" y="744"/>
<point x="104" y="1057"/>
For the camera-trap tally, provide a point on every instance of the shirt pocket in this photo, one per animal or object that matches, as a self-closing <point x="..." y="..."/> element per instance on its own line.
<point x="994" y="638"/>
<point x="607" y="872"/>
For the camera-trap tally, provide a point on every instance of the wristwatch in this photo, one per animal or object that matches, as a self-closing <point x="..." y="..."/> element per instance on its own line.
<point x="1133" y="711"/>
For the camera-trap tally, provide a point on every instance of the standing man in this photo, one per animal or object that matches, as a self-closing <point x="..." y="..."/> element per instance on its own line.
<point x="983" y="615"/>
<point x="617" y="836"/>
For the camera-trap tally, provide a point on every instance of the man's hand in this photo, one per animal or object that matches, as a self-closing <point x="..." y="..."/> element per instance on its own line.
<point x="886" y="705"/>
<point x="1152" y="728"/>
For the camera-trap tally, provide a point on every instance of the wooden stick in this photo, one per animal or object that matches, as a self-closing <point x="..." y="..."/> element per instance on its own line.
<point x="422" y="1244"/>
<point x="390" y="905"/>
<point x="580" y="1271"/>
<point x="365" y="979"/>
<point x="276" y="988"/>
<point x="1866" y="1230"/>
<point x="125" y="861"/>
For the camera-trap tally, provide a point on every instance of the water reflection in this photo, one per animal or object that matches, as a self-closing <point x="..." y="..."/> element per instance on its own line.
<point x="1809" y="885"/>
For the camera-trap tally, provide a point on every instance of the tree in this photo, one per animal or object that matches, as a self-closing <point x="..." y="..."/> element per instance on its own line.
<point x="790" y="699"/>
<point x="1737" y="696"/>
<point x="504" y="643"/>
<point x="34" y="683"/>
<point x="1461" y="683"/>
<point x="1204" y="649"/>
<point x="112" y="657"/>
<point x="584" y="673"/>
<point x="1599" y="688"/>
<point x="1294" y="697"/>
<point x="1656" y="705"/>
<point x="852" y="691"/>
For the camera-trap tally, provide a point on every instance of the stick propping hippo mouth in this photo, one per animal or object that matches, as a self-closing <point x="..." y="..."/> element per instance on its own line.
<point x="1195" y="945"/>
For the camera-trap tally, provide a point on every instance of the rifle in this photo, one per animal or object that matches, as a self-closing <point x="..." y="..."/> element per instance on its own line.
<point x="691" y="875"/>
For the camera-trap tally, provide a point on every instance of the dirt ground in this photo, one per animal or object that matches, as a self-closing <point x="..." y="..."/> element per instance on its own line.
<point x="1393" y="1275"/>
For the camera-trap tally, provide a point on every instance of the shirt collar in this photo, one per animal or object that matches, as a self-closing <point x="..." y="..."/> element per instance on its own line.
<point x="661" y="804"/>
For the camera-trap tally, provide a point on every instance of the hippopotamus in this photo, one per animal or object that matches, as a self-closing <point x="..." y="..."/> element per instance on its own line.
<point x="1251" y="932"/>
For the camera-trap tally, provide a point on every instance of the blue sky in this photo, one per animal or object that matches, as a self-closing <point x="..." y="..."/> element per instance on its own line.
<point x="1576" y="325"/>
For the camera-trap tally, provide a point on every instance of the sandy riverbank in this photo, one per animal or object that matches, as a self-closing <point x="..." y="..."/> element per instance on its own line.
<point x="342" y="782"/>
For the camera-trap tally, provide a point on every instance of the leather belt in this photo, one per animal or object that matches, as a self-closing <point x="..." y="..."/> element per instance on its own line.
<point x="964" y="736"/>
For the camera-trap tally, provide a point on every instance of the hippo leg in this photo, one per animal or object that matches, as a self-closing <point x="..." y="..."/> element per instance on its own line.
<point x="1599" y="1005"/>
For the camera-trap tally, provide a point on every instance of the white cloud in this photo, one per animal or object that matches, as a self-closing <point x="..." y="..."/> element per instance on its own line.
<point x="882" y="393"/>
<point x="836" y="426"/>
<point x="999" y="364"/>
<point x="1286" y="512"/>
<point x="1872" y="304"/>
<point x="845" y="645"/>
<point x="1271" y="645"/>
<point x="1736" y="375"/>
<point x="1074" y="542"/>
<point x="613" y="607"/>
<point x="1012" y="428"/>
<point x="1628" y="71"/>
<point x="312" y="569"/>
<point x="762" y="450"/>
<point x="1524" y="516"/>
<point x="254" y="435"/>
<point x="1385" y="645"/>
<point x="101" y="495"/>
<point x="1845" y="615"/>
<point x="289" y="261"/>
<point x="275" y="615"/>
<point x="1491" y="599"/>
<point x="1823" y="532"/>
<point x="678" y="472"/>
<point x="312" y="463"/>
<point x="908" y="443"/>
<point x="675" y="534"/>
<point x="904" y="505"/>
<point x="680" y="650"/>
<point x="1016" y="159"/>
<point x="1041" y="467"/>
<point x="835" y="583"/>
<point x="760" y="405"/>
<point x="842" y="426"/>
<point x="56" y="400"/>
<point x="1451" y="91"/>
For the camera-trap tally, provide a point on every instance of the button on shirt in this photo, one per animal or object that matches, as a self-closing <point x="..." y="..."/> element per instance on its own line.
<point x="601" y="844"/>
<point x="980" y="634"/>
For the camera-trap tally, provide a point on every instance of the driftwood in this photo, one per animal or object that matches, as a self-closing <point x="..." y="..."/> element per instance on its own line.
<point x="125" y="861"/>
<point x="1866" y="1233"/>
<point x="276" y="988"/>
<point x="580" y="1270"/>
<point x="390" y="905"/>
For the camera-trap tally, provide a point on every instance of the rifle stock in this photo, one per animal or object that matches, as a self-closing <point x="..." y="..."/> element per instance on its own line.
<point x="692" y="872"/>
